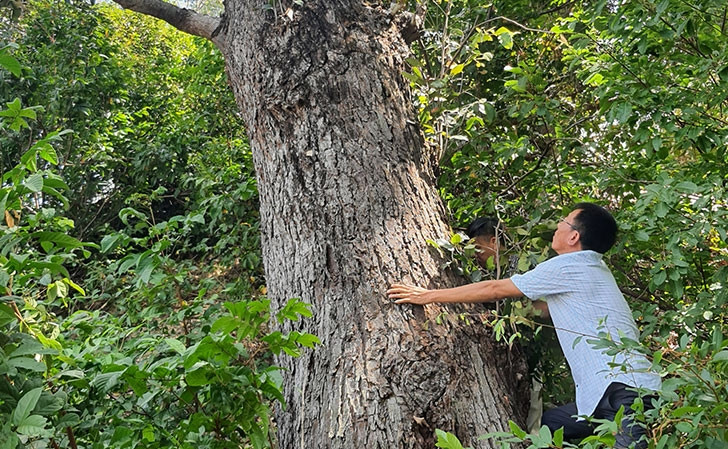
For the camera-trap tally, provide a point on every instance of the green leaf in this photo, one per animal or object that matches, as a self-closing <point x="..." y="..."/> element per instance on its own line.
<point x="687" y="186"/>
<point x="33" y="425"/>
<point x="13" y="107"/>
<point x="577" y="340"/>
<point x="197" y="218"/>
<point x="54" y="181"/>
<point x="197" y="377"/>
<point x="684" y="427"/>
<point x="58" y="289"/>
<point x="272" y="384"/>
<point x="28" y="113"/>
<point x="72" y="373"/>
<point x="623" y="112"/>
<point x="54" y="193"/>
<point x="293" y="310"/>
<point x="126" y="263"/>
<point x="513" y="84"/>
<point x="49" y="342"/>
<point x="447" y="440"/>
<point x="50" y="404"/>
<point x="74" y="286"/>
<point x="109" y="241"/>
<point x="146" y="267"/>
<point x="662" y="7"/>
<point x="49" y="154"/>
<point x="30" y="347"/>
<point x="59" y="238"/>
<point x="257" y="436"/>
<point x="226" y="324"/>
<point x="26" y="404"/>
<point x="656" y="143"/>
<point x="106" y="381"/>
<point x="516" y="430"/>
<point x="121" y="434"/>
<point x="661" y="209"/>
<point x="506" y="40"/>
<point x="308" y="340"/>
<point x="28" y="159"/>
<point x="412" y="77"/>
<point x="34" y="182"/>
<point x="3" y="202"/>
<point x="641" y="236"/>
<point x="28" y="363"/>
<point x="682" y="411"/>
<point x="148" y="434"/>
<point x="6" y="314"/>
<point x="47" y="247"/>
<point x="54" y="268"/>
<point x="68" y="420"/>
<point x="544" y="433"/>
<point x="176" y="345"/>
<point x="505" y="37"/>
<point x="10" y="64"/>
<point x="8" y="438"/>
<point x="136" y="380"/>
<point x="595" y="79"/>
<point x="456" y="69"/>
<point x="721" y="356"/>
<point x="128" y="212"/>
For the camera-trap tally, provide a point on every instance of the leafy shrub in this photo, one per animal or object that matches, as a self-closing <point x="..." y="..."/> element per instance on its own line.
<point x="622" y="103"/>
<point x="34" y="249"/>
<point x="164" y="347"/>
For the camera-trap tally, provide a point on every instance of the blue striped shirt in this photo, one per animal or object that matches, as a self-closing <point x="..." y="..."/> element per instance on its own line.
<point x="584" y="300"/>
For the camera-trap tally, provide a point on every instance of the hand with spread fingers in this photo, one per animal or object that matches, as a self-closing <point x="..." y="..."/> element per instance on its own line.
<point x="408" y="294"/>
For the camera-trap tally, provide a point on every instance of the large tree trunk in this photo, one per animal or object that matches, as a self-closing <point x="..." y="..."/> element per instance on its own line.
<point x="348" y="200"/>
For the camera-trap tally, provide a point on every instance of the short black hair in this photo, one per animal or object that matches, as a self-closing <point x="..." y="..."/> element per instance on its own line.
<point x="483" y="226"/>
<point x="597" y="228"/>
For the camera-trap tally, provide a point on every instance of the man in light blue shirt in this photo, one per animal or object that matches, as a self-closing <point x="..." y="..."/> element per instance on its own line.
<point x="583" y="301"/>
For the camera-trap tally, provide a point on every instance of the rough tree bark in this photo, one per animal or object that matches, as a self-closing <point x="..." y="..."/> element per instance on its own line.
<point x="348" y="199"/>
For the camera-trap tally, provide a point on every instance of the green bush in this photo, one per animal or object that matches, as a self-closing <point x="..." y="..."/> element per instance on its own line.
<point x="535" y="107"/>
<point x="165" y="347"/>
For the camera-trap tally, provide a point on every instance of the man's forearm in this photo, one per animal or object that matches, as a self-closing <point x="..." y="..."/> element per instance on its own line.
<point x="479" y="292"/>
<point x="485" y="291"/>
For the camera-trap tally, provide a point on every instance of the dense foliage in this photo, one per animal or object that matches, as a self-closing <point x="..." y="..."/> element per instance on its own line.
<point x="132" y="301"/>
<point x="538" y="105"/>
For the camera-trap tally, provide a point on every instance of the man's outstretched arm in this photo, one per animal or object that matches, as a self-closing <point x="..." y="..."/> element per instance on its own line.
<point x="485" y="291"/>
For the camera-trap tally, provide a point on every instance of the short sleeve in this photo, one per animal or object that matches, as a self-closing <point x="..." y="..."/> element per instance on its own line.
<point x="545" y="280"/>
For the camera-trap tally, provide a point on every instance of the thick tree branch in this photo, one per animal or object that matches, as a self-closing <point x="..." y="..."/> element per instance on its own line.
<point x="181" y="18"/>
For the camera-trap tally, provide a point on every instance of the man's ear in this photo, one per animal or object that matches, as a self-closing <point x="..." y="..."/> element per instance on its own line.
<point x="575" y="238"/>
<point x="493" y="242"/>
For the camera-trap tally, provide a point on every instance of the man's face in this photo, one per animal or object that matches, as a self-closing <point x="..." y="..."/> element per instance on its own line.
<point x="486" y="247"/>
<point x="566" y="237"/>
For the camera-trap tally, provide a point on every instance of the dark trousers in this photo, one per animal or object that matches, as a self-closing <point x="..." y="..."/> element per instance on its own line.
<point x="616" y="395"/>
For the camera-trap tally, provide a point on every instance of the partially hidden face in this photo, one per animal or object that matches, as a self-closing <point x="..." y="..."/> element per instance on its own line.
<point x="486" y="247"/>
